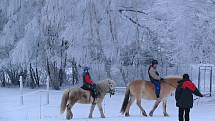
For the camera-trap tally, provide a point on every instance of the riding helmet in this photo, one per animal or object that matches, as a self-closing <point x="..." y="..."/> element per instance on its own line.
<point x="186" y="77"/>
<point x="154" y="62"/>
<point x="86" y="68"/>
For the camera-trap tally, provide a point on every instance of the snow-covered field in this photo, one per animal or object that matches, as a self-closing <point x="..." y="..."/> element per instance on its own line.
<point x="35" y="108"/>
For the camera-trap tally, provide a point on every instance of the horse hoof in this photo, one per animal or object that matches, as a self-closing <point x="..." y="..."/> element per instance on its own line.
<point x="102" y="116"/>
<point x="127" y="114"/>
<point x="166" y="114"/>
<point x="144" y="114"/>
<point x="90" y="116"/>
<point x="151" y="114"/>
<point x="68" y="117"/>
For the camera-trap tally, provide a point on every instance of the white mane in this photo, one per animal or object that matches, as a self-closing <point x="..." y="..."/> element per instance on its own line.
<point x="173" y="76"/>
<point x="107" y="81"/>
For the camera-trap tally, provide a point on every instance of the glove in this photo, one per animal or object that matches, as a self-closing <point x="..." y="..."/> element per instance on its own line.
<point x="162" y="79"/>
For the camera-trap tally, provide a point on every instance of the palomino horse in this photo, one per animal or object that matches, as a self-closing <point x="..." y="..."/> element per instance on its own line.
<point x="78" y="95"/>
<point x="138" y="89"/>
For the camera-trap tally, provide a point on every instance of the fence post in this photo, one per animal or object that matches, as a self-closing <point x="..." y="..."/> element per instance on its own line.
<point x="199" y="78"/>
<point x="211" y="74"/>
<point x="47" y="89"/>
<point x="40" y="105"/>
<point x="21" y="89"/>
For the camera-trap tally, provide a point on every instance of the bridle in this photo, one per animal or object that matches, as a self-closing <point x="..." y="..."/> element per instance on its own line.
<point x="110" y="91"/>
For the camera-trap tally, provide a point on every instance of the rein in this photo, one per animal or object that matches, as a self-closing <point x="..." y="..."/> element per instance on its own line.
<point x="110" y="90"/>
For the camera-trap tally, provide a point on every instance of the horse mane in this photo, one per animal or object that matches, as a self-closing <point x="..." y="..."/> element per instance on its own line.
<point x="105" y="81"/>
<point x="175" y="77"/>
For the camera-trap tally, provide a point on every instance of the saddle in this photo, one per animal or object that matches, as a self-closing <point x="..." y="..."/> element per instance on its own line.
<point x="84" y="88"/>
<point x="93" y="92"/>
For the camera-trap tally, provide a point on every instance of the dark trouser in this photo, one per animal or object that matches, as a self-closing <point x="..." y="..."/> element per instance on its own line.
<point x="157" y="87"/>
<point x="181" y="114"/>
<point x="92" y="88"/>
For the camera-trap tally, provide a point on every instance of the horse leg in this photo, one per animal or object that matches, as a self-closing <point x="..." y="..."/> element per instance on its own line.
<point x="91" y="110"/>
<point x="131" y="100"/>
<point x="164" y="108"/>
<point x="157" y="102"/>
<point x="69" y="114"/>
<point x="101" y="110"/>
<point x="141" y="108"/>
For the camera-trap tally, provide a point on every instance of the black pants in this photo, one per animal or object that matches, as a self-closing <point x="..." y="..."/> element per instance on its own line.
<point x="92" y="88"/>
<point x="181" y="113"/>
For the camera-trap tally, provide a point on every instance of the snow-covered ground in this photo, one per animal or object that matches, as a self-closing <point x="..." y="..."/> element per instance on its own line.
<point x="12" y="110"/>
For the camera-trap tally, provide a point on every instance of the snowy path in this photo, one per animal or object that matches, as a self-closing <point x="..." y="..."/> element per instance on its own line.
<point x="11" y="110"/>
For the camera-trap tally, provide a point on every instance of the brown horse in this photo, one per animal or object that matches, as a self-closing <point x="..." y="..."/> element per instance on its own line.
<point x="78" y="95"/>
<point x="138" y="89"/>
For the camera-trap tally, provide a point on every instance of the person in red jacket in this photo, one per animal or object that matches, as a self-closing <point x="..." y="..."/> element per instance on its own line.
<point x="184" y="97"/>
<point x="88" y="83"/>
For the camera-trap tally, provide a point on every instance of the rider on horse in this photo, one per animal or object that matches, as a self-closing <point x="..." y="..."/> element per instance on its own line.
<point x="154" y="77"/>
<point x="88" y="84"/>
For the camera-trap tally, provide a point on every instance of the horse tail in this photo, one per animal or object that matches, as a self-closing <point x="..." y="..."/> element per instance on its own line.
<point x="125" y="101"/>
<point x="64" y="100"/>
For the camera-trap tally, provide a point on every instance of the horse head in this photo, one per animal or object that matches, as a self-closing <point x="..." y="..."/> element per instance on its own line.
<point x="106" y="86"/>
<point x="111" y="85"/>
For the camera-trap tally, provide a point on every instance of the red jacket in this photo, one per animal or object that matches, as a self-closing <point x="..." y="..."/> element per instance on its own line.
<point x="87" y="79"/>
<point x="184" y="94"/>
<point x="188" y="84"/>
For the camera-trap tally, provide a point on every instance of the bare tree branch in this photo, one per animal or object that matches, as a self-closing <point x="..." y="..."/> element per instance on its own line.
<point x="134" y="21"/>
<point x="131" y="10"/>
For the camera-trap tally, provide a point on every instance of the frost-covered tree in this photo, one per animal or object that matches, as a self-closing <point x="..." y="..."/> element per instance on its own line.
<point x="116" y="38"/>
